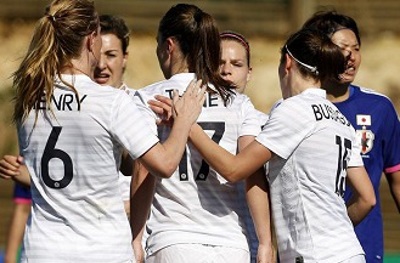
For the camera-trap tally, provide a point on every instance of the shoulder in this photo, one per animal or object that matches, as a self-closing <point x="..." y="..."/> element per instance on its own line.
<point x="298" y="102"/>
<point x="241" y="98"/>
<point x="150" y="88"/>
<point x="372" y="95"/>
<point x="301" y="108"/>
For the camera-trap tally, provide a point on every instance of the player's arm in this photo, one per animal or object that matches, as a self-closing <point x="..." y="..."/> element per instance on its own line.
<point x="257" y="195"/>
<point x="258" y="202"/>
<point x="363" y="199"/>
<point x="224" y="159"/>
<point x="142" y="190"/>
<point x="394" y="184"/>
<point x="232" y="167"/>
<point x="16" y="231"/>
<point x="162" y="106"/>
<point x="12" y="167"/>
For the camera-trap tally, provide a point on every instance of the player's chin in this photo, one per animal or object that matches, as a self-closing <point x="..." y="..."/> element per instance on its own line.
<point x="347" y="78"/>
<point x="101" y="81"/>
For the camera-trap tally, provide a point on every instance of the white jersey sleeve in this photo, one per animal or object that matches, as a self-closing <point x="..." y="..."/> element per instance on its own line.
<point x="282" y="125"/>
<point x="252" y="118"/>
<point x="141" y="98"/>
<point x="356" y="158"/>
<point x="122" y="130"/>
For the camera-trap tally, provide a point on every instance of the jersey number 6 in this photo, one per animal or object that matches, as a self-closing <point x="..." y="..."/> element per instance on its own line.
<point x="51" y="152"/>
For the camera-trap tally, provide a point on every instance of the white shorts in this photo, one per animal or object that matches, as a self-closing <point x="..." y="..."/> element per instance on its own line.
<point x="355" y="259"/>
<point x="198" y="253"/>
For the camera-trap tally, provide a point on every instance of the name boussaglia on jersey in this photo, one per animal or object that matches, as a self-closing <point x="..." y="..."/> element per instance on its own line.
<point x="325" y="111"/>
<point x="62" y="102"/>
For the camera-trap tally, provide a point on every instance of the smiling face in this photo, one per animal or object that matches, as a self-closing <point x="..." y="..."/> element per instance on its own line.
<point x="347" y="41"/>
<point x="111" y="67"/>
<point x="234" y="64"/>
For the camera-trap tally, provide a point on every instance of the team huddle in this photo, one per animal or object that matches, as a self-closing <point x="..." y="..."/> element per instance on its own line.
<point x="187" y="169"/>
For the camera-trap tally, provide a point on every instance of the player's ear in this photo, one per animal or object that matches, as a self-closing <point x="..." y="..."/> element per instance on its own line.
<point x="248" y="77"/>
<point x="125" y="60"/>
<point x="288" y="63"/>
<point x="171" y="44"/>
<point x="90" y="40"/>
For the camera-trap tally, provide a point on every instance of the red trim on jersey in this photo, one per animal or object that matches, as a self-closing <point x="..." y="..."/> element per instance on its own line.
<point x="20" y="200"/>
<point x="392" y="169"/>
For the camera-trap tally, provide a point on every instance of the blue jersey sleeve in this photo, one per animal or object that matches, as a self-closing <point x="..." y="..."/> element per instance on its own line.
<point x="21" y="193"/>
<point x="391" y="142"/>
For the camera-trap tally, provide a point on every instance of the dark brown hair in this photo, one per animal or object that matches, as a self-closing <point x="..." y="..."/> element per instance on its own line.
<point x="328" y="22"/>
<point x="115" y="25"/>
<point x="317" y="56"/>
<point x="199" y="40"/>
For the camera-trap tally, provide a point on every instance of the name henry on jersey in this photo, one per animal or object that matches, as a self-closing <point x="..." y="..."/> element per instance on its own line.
<point x="325" y="111"/>
<point x="62" y="102"/>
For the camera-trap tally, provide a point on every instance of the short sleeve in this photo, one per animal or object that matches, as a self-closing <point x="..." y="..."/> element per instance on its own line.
<point x="130" y="127"/>
<point x="355" y="158"/>
<point x="391" y="143"/>
<point x="22" y="194"/>
<point x="252" y="122"/>
<point x="287" y="126"/>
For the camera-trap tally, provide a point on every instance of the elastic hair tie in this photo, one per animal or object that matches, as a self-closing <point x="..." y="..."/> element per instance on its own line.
<point x="310" y="68"/>
<point x="52" y="18"/>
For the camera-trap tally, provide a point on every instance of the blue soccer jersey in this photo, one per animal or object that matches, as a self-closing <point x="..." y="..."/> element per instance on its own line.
<point x="377" y="126"/>
<point x="22" y="194"/>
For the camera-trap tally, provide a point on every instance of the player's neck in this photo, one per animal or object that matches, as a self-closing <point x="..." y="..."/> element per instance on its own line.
<point x="337" y="93"/>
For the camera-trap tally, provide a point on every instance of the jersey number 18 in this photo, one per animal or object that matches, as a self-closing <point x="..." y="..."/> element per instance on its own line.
<point x="343" y="160"/>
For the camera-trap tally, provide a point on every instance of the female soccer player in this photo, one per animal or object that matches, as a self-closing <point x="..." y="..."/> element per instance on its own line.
<point x="71" y="133"/>
<point x="195" y="213"/>
<point x="310" y="147"/>
<point x="375" y="120"/>
<point x="235" y="67"/>
<point x="109" y="71"/>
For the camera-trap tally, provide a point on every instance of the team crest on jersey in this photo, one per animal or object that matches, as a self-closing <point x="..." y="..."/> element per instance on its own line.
<point x="364" y="136"/>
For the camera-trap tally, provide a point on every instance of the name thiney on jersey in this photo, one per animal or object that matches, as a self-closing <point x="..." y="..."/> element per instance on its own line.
<point x="212" y="100"/>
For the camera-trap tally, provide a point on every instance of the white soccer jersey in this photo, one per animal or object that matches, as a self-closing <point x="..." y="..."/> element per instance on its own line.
<point x="314" y="143"/>
<point x="73" y="158"/>
<point x="124" y="186"/>
<point x="125" y="181"/>
<point x="196" y="205"/>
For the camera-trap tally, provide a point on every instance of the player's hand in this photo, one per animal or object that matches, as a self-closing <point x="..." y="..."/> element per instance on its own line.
<point x="10" y="166"/>
<point x="162" y="106"/>
<point x="189" y="106"/>
<point x="265" y="254"/>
